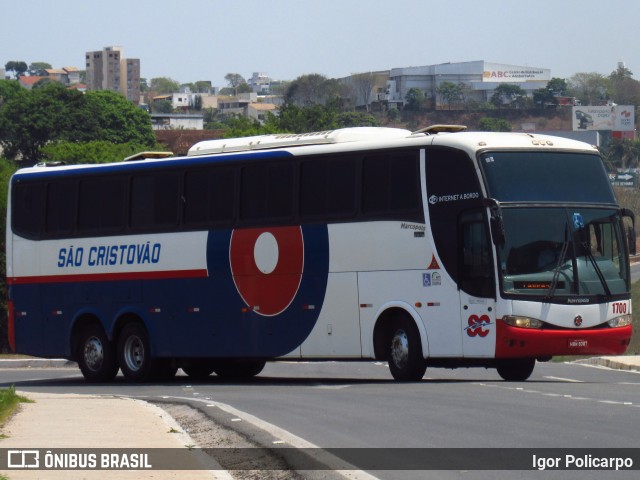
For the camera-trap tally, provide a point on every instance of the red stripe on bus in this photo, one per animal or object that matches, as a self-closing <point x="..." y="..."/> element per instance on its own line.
<point x="108" y="277"/>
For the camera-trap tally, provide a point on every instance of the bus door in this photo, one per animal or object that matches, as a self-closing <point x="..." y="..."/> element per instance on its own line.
<point x="455" y="212"/>
<point x="476" y="285"/>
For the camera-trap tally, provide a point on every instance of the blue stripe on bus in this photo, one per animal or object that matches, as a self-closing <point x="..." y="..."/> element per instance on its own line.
<point x="186" y="317"/>
<point x="152" y="165"/>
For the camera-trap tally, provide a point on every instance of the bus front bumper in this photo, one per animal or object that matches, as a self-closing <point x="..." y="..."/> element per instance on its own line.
<point x="515" y="342"/>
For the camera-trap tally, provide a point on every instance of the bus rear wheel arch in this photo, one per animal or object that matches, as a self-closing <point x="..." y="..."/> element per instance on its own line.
<point x="95" y="353"/>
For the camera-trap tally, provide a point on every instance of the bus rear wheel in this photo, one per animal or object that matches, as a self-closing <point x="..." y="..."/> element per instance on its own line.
<point x="96" y="355"/>
<point x="134" y="353"/>
<point x="516" y="369"/>
<point x="229" y="369"/>
<point x="406" y="362"/>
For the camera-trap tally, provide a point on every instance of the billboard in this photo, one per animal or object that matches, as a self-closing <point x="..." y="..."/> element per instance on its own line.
<point x="496" y="72"/>
<point x="619" y="118"/>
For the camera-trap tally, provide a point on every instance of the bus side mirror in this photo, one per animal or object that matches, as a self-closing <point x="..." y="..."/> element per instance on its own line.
<point x="631" y="230"/>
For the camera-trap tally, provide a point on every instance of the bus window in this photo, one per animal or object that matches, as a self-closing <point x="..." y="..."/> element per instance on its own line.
<point x="61" y="207"/>
<point x="209" y="197"/>
<point x="328" y="188"/>
<point x="27" y="202"/>
<point x="154" y="200"/>
<point x="94" y="214"/>
<point x="267" y="192"/>
<point x="476" y="275"/>
<point x="391" y="184"/>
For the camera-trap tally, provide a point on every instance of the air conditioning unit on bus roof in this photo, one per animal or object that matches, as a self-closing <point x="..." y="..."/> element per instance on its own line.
<point x="264" y="142"/>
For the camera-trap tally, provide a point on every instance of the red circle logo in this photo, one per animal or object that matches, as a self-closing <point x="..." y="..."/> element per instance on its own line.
<point x="266" y="266"/>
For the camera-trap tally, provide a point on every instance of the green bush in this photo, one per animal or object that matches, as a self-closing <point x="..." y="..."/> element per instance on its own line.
<point x="90" y="152"/>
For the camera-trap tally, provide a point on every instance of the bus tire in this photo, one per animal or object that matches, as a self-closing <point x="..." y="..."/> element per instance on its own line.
<point x="230" y="369"/>
<point x="198" y="370"/>
<point x="405" y="359"/>
<point x="134" y="353"/>
<point x="96" y="355"/>
<point x="515" y="369"/>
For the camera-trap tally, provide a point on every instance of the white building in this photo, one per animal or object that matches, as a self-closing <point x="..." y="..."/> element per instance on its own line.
<point x="260" y="83"/>
<point x="480" y="77"/>
<point x="175" y="121"/>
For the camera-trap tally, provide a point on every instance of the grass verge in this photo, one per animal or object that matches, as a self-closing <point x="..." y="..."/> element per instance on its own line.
<point x="9" y="402"/>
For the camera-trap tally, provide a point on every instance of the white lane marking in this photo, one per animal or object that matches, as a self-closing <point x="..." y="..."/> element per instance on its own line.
<point x="558" y="395"/>
<point x="562" y="379"/>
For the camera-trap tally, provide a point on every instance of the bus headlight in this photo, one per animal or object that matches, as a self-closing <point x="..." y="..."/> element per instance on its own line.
<point x="522" y="322"/>
<point x="621" y="321"/>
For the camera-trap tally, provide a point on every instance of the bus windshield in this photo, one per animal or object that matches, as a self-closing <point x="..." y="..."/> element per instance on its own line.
<point x="559" y="252"/>
<point x="543" y="176"/>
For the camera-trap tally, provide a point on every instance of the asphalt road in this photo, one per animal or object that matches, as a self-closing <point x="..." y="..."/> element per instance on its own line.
<point x="358" y="405"/>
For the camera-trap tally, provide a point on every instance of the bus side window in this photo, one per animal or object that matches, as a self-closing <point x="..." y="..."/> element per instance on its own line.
<point x="328" y="188"/>
<point x="61" y="206"/>
<point x="97" y="216"/>
<point x="27" y="203"/>
<point x="476" y="275"/>
<point x="154" y="200"/>
<point x="209" y="197"/>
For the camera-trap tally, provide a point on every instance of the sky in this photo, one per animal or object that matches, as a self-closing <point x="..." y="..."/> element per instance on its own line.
<point x="192" y="40"/>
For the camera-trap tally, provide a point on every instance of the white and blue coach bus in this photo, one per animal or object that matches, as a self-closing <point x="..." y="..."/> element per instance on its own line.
<point x="432" y="248"/>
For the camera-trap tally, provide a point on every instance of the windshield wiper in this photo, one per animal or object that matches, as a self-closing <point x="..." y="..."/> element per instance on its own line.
<point x="596" y="267"/>
<point x="561" y="259"/>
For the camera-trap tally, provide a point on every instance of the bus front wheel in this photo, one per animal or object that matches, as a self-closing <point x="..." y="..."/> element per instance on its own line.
<point x="515" y="369"/>
<point x="96" y="355"/>
<point x="406" y="362"/>
<point x="134" y="353"/>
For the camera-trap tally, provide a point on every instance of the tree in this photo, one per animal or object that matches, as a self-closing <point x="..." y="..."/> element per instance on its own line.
<point x="117" y="119"/>
<point x="30" y="119"/>
<point x="624" y="89"/>
<point x="589" y="88"/>
<point x="234" y="80"/>
<point x="623" y="153"/>
<point x="97" y="151"/>
<point x="364" y="85"/>
<point x="163" y="85"/>
<point x="38" y="69"/>
<point x="203" y="86"/>
<point x="8" y="88"/>
<point x="311" y="118"/>
<point x="307" y="90"/>
<point x="488" y="124"/>
<point x="621" y="72"/>
<point x="507" y="94"/>
<point x="414" y="99"/>
<point x="556" y="87"/>
<point x="450" y="92"/>
<point x="17" y="67"/>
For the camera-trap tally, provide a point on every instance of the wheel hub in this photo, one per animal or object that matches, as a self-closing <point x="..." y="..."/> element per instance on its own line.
<point x="93" y="354"/>
<point x="134" y="353"/>
<point x="400" y="348"/>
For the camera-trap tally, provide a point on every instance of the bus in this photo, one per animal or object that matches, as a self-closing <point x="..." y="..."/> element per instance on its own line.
<point x="436" y="248"/>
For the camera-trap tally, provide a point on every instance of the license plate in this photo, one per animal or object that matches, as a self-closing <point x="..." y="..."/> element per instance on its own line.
<point x="578" y="343"/>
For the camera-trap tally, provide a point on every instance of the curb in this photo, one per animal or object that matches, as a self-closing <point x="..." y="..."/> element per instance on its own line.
<point x="36" y="363"/>
<point x="610" y="362"/>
